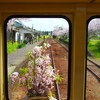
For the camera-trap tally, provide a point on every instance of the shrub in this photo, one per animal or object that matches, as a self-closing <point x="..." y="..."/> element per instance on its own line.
<point x="11" y="47"/>
<point x="98" y="45"/>
<point x="21" y="45"/>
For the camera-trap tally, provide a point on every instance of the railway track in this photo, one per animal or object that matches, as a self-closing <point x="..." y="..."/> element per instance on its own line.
<point x="60" y="62"/>
<point x="93" y="67"/>
<point x="56" y="85"/>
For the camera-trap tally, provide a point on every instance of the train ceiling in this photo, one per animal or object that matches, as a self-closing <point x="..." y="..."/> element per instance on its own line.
<point x="51" y="1"/>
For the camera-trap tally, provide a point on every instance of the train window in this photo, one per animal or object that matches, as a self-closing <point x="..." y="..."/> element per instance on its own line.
<point x="34" y="46"/>
<point x="93" y="60"/>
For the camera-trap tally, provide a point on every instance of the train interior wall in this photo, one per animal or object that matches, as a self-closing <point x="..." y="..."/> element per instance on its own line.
<point x="78" y="13"/>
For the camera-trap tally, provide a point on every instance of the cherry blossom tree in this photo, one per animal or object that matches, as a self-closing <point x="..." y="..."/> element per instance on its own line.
<point x="11" y="22"/>
<point x="94" y="28"/>
<point x="11" y="26"/>
<point x="93" y="31"/>
<point x="58" y="31"/>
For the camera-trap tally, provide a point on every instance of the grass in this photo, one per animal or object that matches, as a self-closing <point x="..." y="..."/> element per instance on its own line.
<point x="93" y="48"/>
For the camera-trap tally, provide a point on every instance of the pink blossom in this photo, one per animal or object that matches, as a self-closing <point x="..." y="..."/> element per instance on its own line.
<point x="36" y="82"/>
<point x="14" y="76"/>
<point x="39" y="61"/>
<point x="47" y="59"/>
<point x="27" y="74"/>
<point x="37" y="51"/>
<point x="58" y="31"/>
<point x="12" y="79"/>
<point x="38" y="69"/>
<point x="23" y="79"/>
<point x="29" y="63"/>
<point x="46" y="45"/>
<point x="41" y="91"/>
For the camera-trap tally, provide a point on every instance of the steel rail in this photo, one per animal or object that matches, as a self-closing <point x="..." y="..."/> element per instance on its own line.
<point x="56" y="85"/>
<point x="96" y="76"/>
<point x="91" y="71"/>
<point x="61" y="45"/>
<point x="94" y="63"/>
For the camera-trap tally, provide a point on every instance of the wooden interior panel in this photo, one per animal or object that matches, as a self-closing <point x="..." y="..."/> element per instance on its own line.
<point x="44" y="1"/>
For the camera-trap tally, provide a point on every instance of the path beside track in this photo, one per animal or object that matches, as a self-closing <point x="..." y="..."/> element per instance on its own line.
<point x="17" y="57"/>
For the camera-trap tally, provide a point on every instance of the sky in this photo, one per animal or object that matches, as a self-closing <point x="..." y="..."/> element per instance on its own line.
<point x="46" y="24"/>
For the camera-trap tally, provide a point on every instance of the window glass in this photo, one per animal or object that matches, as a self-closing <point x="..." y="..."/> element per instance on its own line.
<point x="93" y="60"/>
<point x="26" y="57"/>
